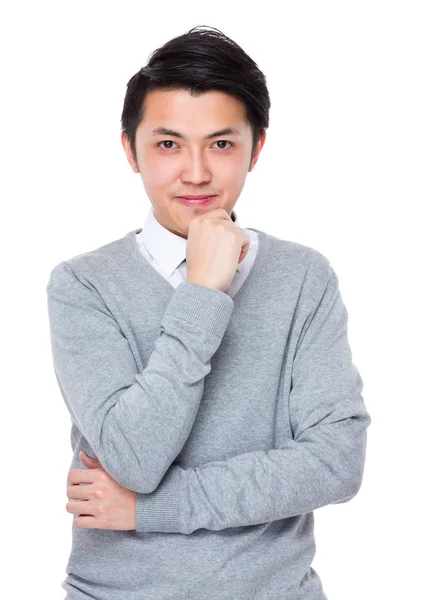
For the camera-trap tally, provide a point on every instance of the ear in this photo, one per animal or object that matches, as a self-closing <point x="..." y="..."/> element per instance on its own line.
<point x="128" y="151"/>
<point x="257" y="151"/>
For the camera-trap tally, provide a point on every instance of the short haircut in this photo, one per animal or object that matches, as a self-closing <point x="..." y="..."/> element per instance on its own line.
<point x="201" y="60"/>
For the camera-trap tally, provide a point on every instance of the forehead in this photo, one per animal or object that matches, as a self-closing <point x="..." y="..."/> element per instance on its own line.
<point x="184" y="112"/>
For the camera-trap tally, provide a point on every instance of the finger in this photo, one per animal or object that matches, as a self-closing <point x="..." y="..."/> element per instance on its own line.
<point x="246" y="241"/>
<point x="217" y="213"/>
<point x="77" y="476"/>
<point x="241" y="257"/>
<point x="245" y="247"/>
<point x="76" y="507"/>
<point x="79" y="492"/>
<point x="88" y="458"/>
<point x="88" y="522"/>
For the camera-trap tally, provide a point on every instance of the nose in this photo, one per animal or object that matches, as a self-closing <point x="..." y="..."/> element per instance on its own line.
<point x="196" y="170"/>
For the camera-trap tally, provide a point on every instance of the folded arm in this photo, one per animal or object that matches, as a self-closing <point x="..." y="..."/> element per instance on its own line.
<point x="321" y="465"/>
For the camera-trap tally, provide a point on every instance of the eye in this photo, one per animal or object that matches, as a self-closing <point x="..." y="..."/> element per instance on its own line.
<point x="226" y="142"/>
<point x="165" y="142"/>
<point x="171" y="142"/>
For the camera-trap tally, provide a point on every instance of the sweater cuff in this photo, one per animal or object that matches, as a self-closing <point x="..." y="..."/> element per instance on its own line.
<point x="203" y="306"/>
<point x="159" y="510"/>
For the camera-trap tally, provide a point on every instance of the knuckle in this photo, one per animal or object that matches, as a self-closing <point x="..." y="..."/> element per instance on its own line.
<point x="98" y="493"/>
<point x="102" y="509"/>
<point x="221" y="226"/>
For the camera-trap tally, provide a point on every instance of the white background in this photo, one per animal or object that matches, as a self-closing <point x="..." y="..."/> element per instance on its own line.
<point x="342" y="171"/>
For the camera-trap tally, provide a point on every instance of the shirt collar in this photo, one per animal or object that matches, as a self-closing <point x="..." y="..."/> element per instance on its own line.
<point x="167" y="248"/>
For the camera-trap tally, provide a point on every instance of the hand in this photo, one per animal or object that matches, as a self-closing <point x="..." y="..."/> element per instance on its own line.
<point x="107" y="504"/>
<point x="215" y="246"/>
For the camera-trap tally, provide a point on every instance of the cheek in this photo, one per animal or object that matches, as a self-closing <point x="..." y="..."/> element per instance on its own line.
<point x="233" y="172"/>
<point x="156" y="173"/>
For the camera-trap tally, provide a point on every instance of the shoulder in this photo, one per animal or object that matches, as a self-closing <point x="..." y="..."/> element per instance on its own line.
<point x="303" y="260"/>
<point x="84" y="266"/>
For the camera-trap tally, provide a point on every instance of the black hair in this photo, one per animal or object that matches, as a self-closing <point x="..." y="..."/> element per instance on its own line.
<point x="200" y="60"/>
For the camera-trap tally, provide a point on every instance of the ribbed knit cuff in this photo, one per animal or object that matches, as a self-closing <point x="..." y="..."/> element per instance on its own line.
<point x="203" y="306"/>
<point x="159" y="510"/>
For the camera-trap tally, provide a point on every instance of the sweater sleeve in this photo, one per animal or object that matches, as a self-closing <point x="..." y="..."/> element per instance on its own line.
<point x="323" y="463"/>
<point x="136" y="422"/>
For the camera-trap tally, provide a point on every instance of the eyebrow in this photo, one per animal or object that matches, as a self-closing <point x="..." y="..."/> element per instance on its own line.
<point x="220" y="132"/>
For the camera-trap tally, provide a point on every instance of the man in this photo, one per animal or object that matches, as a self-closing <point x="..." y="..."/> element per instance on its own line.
<point x="206" y="367"/>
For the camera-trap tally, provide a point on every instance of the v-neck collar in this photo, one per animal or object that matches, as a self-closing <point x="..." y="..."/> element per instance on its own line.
<point x="130" y="243"/>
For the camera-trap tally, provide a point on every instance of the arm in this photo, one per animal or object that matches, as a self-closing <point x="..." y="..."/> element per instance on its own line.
<point x="323" y="463"/>
<point x="136" y="422"/>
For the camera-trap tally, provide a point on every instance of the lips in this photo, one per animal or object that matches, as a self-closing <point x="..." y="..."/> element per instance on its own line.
<point x="195" y="200"/>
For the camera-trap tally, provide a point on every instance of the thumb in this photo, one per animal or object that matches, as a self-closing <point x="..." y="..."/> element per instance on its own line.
<point x="91" y="463"/>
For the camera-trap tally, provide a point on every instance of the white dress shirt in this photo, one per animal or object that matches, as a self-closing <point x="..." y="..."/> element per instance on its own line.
<point x="166" y="252"/>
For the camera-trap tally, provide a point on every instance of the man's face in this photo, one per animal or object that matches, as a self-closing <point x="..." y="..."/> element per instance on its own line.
<point x="172" y="166"/>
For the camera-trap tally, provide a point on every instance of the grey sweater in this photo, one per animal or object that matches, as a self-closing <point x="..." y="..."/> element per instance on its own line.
<point x="233" y="419"/>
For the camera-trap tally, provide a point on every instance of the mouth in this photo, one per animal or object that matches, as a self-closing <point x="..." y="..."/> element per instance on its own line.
<point x="195" y="200"/>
